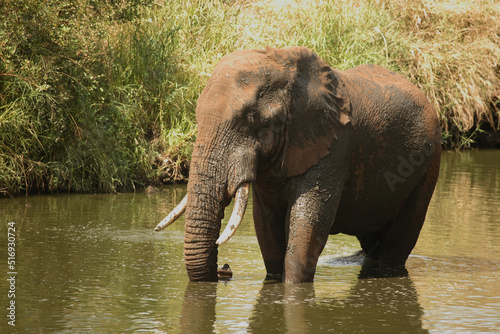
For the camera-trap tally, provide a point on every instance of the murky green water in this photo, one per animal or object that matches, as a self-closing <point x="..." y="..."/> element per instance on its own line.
<point x="93" y="264"/>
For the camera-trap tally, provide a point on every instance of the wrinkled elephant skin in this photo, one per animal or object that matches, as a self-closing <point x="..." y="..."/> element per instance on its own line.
<point x="326" y="152"/>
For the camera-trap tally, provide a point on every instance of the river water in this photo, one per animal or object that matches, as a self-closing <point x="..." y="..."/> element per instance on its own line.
<point x="93" y="264"/>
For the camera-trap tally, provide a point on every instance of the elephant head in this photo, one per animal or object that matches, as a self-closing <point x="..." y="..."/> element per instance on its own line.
<point x="252" y="103"/>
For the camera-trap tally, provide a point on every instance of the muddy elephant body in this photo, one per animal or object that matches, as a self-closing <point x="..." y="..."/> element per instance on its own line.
<point x="326" y="152"/>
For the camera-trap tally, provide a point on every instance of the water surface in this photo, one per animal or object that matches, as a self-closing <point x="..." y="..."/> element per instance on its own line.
<point x="93" y="264"/>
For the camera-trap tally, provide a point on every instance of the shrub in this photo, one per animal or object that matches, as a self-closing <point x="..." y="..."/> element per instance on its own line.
<point x="65" y="125"/>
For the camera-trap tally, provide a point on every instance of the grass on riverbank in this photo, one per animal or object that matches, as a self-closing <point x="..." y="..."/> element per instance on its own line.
<point x="100" y="96"/>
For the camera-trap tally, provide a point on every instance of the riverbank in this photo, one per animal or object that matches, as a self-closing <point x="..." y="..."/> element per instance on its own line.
<point x="100" y="97"/>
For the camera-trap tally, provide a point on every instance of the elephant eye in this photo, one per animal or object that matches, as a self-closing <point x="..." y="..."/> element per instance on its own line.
<point x="252" y="116"/>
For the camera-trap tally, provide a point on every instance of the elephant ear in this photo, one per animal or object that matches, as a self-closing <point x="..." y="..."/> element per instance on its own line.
<point x="319" y="108"/>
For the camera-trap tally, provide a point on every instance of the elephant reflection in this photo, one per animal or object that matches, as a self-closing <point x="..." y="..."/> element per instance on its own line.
<point x="377" y="305"/>
<point x="374" y="305"/>
<point x="198" y="309"/>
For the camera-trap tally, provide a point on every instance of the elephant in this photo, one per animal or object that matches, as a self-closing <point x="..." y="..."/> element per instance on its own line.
<point x="325" y="152"/>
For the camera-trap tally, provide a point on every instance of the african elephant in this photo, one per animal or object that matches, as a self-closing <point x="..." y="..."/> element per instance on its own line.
<point x="326" y="152"/>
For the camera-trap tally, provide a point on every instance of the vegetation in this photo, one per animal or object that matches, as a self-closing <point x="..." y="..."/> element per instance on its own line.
<point x="99" y="96"/>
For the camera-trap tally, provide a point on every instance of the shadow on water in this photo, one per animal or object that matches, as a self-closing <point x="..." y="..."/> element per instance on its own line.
<point x="374" y="304"/>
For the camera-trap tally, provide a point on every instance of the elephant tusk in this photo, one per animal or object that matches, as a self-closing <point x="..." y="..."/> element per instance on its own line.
<point x="174" y="215"/>
<point x="240" y="205"/>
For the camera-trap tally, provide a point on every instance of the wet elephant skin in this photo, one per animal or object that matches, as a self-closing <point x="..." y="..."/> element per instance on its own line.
<point x="326" y="151"/>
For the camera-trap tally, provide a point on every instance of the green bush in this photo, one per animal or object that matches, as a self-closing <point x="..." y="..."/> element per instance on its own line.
<point x="81" y="95"/>
<point x="99" y="96"/>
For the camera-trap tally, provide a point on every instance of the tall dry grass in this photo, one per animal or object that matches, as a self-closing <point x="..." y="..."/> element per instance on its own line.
<point x="454" y="56"/>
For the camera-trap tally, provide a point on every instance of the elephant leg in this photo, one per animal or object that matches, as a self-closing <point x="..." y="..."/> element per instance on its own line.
<point x="392" y="246"/>
<point x="370" y="244"/>
<point x="269" y="220"/>
<point x="310" y="220"/>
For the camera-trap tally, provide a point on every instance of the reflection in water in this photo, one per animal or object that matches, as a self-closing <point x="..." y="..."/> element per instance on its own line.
<point x="198" y="308"/>
<point x="86" y="263"/>
<point x="466" y="206"/>
<point x="374" y="305"/>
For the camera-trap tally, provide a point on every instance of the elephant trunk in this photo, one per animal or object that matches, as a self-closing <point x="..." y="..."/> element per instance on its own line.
<point x="207" y="198"/>
<point x="204" y="212"/>
<point x="213" y="180"/>
<point x="200" y="250"/>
